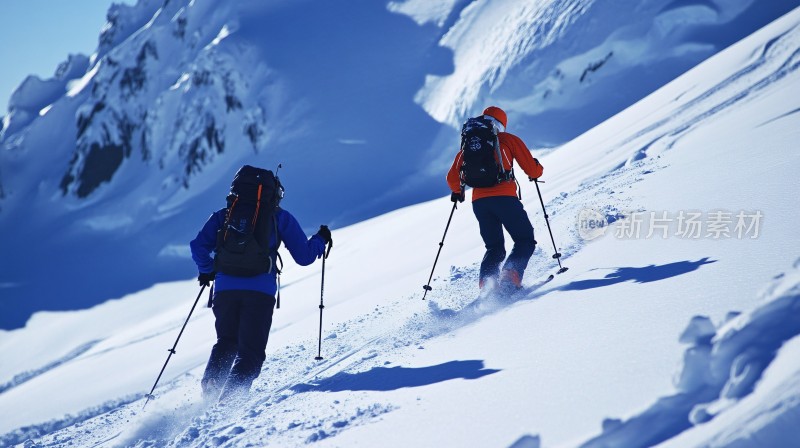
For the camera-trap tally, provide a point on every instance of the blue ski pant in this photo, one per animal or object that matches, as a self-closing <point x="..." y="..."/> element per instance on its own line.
<point x="495" y="213"/>
<point x="243" y="321"/>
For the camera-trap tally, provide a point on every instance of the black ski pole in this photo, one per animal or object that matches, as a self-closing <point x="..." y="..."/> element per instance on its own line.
<point x="322" y="302"/>
<point x="557" y="254"/>
<point x="150" y="396"/>
<point x="428" y="287"/>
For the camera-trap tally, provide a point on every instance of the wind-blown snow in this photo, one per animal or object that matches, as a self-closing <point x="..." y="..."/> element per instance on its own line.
<point x="487" y="40"/>
<point x="424" y="11"/>
<point x="584" y="359"/>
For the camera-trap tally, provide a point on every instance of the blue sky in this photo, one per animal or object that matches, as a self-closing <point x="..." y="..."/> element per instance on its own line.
<point x="36" y="35"/>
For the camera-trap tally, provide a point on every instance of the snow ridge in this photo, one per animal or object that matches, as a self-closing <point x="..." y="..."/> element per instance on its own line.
<point x="721" y="366"/>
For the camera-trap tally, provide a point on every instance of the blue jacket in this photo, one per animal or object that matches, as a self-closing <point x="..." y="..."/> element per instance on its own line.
<point x="304" y="251"/>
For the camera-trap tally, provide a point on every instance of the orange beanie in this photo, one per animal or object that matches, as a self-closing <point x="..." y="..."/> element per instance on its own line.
<point x="497" y="113"/>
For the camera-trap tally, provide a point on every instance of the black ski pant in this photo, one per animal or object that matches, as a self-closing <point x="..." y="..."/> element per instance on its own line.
<point x="495" y="213"/>
<point x="243" y="321"/>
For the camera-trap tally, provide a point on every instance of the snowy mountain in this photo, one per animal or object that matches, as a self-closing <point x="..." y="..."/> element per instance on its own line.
<point x="120" y="156"/>
<point x="676" y="324"/>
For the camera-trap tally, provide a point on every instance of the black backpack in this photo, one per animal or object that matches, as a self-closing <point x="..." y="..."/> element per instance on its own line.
<point x="243" y="241"/>
<point x="481" y="163"/>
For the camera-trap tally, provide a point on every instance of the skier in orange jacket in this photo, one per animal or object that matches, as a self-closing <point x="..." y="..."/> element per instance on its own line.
<point x="499" y="206"/>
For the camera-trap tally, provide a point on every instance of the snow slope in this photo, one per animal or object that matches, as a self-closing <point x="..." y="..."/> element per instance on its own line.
<point x="587" y="359"/>
<point x="122" y="153"/>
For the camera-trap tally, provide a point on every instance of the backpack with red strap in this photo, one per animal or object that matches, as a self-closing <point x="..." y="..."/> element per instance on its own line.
<point x="243" y="248"/>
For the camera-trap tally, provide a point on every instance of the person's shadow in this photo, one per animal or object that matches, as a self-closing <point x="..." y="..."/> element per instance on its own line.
<point x="646" y="274"/>
<point x="393" y="378"/>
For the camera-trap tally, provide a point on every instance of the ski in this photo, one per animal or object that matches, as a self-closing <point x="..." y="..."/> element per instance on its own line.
<point x="487" y="301"/>
<point x="526" y="290"/>
<point x="541" y="283"/>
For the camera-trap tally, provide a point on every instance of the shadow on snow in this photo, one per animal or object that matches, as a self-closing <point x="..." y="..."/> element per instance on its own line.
<point x="646" y="274"/>
<point x="393" y="378"/>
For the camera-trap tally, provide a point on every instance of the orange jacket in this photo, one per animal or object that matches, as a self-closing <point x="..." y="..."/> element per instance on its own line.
<point x="511" y="145"/>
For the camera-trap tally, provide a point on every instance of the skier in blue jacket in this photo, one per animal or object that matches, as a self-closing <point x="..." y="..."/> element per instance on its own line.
<point x="243" y="306"/>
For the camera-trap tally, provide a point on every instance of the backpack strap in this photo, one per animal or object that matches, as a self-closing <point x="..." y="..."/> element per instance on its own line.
<point x="277" y="244"/>
<point x="460" y="167"/>
<point x="278" y="278"/>
<point x="278" y="265"/>
<point x="228" y="216"/>
<point x="499" y="155"/>
<point x="504" y="175"/>
<point x="258" y="205"/>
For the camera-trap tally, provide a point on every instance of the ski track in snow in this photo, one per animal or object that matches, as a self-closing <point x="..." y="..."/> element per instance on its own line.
<point x="31" y="374"/>
<point x="778" y="51"/>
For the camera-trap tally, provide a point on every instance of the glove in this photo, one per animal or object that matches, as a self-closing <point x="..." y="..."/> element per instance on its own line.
<point x="537" y="163"/>
<point x="457" y="197"/>
<point x="325" y="233"/>
<point x="205" y="278"/>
